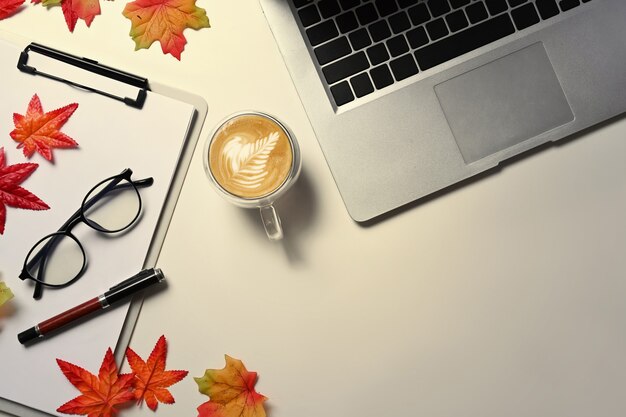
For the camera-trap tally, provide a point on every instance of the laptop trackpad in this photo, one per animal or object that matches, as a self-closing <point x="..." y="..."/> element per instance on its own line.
<point x="503" y="103"/>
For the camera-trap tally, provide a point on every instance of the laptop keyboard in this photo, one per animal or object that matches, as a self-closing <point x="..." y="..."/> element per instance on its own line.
<point x="367" y="45"/>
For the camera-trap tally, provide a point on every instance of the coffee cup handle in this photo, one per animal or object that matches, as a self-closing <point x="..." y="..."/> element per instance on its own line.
<point x="271" y="222"/>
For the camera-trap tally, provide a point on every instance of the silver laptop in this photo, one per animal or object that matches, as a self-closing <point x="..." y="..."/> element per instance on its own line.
<point x="408" y="97"/>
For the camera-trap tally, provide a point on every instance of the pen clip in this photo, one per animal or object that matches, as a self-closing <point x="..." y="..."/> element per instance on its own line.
<point x="135" y="278"/>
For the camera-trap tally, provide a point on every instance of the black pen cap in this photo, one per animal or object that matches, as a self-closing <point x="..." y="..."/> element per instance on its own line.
<point x="134" y="284"/>
<point x="28" y="335"/>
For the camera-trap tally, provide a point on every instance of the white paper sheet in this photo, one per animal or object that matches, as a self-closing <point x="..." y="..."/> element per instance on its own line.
<point x="111" y="137"/>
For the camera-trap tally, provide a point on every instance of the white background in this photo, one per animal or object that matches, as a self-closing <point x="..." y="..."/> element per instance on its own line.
<point x="504" y="297"/>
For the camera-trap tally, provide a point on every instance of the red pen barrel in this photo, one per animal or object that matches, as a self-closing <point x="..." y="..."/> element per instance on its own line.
<point x="70" y="315"/>
<point x="124" y="289"/>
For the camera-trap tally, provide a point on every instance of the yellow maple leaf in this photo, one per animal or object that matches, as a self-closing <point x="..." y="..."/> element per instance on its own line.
<point x="231" y="392"/>
<point x="5" y="293"/>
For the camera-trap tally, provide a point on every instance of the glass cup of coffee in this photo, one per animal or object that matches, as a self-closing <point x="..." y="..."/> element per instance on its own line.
<point x="252" y="159"/>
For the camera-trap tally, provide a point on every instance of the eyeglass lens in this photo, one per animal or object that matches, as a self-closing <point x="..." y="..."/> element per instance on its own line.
<point x="111" y="206"/>
<point x="116" y="205"/>
<point x="56" y="259"/>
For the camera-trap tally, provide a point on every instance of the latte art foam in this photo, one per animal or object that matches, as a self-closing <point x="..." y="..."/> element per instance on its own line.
<point x="250" y="156"/>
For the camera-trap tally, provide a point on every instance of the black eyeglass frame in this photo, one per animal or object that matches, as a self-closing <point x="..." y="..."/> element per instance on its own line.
<point x="77" y="218"/>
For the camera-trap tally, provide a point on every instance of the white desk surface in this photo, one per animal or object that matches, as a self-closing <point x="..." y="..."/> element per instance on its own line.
<point x="504" y="297"/>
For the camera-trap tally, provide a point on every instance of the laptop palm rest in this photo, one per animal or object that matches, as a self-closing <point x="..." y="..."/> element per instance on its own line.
<point x="503" y="103"/>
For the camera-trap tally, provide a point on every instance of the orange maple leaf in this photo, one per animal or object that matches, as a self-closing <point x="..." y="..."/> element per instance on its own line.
<point x="39" y="131"/>
<point x="151" y="377"/>
<point x="231" y="392"/>
<point x="164" y="21"/>
<point x="100" y="394"/>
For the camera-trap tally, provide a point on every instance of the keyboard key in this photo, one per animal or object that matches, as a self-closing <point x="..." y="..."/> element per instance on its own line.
<point x="547" y="8"/>
<point x="419" y="14"/>
<point x="464" y="41"/>
<point x="397" y="45"/>
<point x="345" y="67"/>
<point x="403" y="67"/>
<point x="477" y="12"/>
<point x="362" y="85"/>
<point x="309" y="15"/>
<point x="399" y="22"/>
<point x="360" y="39"/>
<point x="381" y="76"/>
<point x="525" y="16"/>
<point x="348" y="4"/>
<point x="568" y="4"/>
<point x="332" y="50"/>
<point x="457" y="21"/>
<point x="417" y="37"/>
<point x="437" y="29"/>
<point x="347" y="22"/>
<point x="406" y="3"/>
<point x="366" y="14"/>
<point x="322" y="32"/>
<point x="438" y="7"/>
<point x="377" y="54"/>
<point x="329" y="8"/>
<point x="459" y="3"/>
<point x="300" y="3"/>
<point x="496" y="6"/>
<point x="386" y="7"/>
<point x="379" y="30"/>
<point x="342" y="93"/>
<point x="515" y="3"/>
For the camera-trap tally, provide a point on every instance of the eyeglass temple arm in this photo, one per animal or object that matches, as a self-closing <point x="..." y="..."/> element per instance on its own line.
<point x="74" y="220"/>
<point x="145" y="182"/>
<point x="40" y="276"/>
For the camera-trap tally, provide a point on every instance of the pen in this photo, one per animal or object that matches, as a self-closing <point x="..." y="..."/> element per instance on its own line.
<point x="126" y="288"/>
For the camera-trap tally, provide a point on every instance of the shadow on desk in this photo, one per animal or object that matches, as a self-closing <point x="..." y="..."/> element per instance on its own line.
<point x="298" y="211"/>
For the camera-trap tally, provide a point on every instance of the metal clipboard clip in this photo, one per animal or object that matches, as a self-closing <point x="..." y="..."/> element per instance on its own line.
<point x="87" y="65"/>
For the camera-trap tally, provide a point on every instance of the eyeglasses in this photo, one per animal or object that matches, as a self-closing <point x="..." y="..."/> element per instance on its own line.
<point x="58" y="259"/>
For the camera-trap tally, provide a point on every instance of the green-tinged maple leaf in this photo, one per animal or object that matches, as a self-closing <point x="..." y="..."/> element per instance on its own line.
<point x="100" y="394"/>
<point x="151" y="378"/>
<point x="48" y="3"/>
<point x="5" y="293"/>
<point x="231" y="392"/>
<point x="164" y="21"/>
<point x="37" y="131"/>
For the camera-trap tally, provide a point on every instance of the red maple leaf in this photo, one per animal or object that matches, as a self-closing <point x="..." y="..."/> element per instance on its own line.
<point x="79" y="9"/>
<point x="73" y="10"/>
<point x="152" y="379"/>
<point x="8" y="7"/>
<point x="231" y="392"/>
<point x="11" y="194"/>
<point x="100" y="394"/>
<point x="39" y="131"/>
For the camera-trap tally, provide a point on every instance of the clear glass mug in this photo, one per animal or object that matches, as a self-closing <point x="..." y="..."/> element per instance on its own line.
<point x="252" y="159"/>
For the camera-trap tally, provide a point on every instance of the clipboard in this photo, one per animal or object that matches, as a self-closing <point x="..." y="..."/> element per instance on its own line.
<point x="95" y="78"/>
